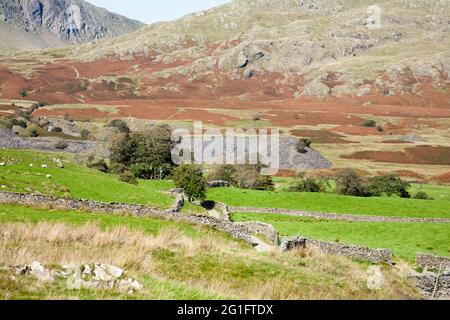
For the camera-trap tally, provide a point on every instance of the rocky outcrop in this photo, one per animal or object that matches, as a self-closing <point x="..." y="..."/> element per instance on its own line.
<point x="47" y="144"/>
<point x="67" y="20"/>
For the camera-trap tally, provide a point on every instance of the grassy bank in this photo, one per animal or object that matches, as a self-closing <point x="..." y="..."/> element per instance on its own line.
<point x="74" y="180"/>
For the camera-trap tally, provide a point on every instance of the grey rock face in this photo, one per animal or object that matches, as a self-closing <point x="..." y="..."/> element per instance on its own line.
<point x="69" y="20"/>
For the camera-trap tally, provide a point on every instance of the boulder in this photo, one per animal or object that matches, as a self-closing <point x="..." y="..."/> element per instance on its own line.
<point x="129" y="286"/>
<point x="316" y="88"/>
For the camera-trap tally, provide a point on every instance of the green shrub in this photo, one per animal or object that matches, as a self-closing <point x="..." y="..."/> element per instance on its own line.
<point x="388" y="185"/>
<point x="422" y="195"/>
<point x="19" y="122"/>
<point x="34" y="133"/>
<point x="370" y="123"/>
<point x="310" y="185"/>
<point x="121" y="125"/>
<point x="57" y="130"/>
<point x="190" y="179"/>
<point x="97" y="164"/>
<point x="117" y="168"/>
<point x="61" y="145"/>
<point x="23" y="93"/>
<point x="85" y="134"/>
<point x="128" y="177"/>
<point x="350" y="183"/>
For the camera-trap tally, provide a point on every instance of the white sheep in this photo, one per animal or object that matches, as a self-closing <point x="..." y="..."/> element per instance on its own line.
<point x="44" y="166"/>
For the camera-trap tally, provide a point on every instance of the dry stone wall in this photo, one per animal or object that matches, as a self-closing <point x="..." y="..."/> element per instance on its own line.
<point x="348" y="251"/>
<point x="236" y="231"/>
<point x="433" y="285"/>
<point x="428" y="260"/>
<point x="264" y="229"/>
<point x="335" y="216"/>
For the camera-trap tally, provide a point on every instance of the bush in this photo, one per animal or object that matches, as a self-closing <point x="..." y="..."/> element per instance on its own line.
<point x="302" y="144"/>
<point x="18" y="122"/>
<point x="117" y="168"/>
<point x="388" y="185"/>
<point x="23" y="93"/>
<point x="99" y="164"/>
<point x="147" y="154"/>
<point x="349" y="182"/>
<point x="249" y="177"/>
<point x="34" y="133"/>
<point x="57" y="130"/>
<point x="256" y="117"/>
<point x="121" y="125"/>
<point x="224" y="172"/>
<point x="190" y="179"/>
<point x="421" y="195"/>
<point x="85" y="134"/>
<point x="61" y="145"/>
<point x="370" y="123"/>
<point x="128" y="177"/>
<point x="310" y="185"/>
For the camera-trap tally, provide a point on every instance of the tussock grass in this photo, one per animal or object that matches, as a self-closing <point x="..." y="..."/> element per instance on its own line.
<point x="173" y="265"/>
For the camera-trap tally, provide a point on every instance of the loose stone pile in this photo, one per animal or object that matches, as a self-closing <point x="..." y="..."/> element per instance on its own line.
<point x="97" y="276"/>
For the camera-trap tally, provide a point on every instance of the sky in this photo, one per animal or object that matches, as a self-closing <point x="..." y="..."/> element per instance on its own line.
<point x="149" y="11"/>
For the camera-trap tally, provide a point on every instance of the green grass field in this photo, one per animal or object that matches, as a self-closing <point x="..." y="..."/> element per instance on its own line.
<point x="75" y="180"/>
<point x="14" y="213"/>
<point x="405" y="239"/>
<point x="324" y="202"/>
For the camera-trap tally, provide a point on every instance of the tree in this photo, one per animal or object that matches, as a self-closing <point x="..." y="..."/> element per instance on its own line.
<point x="226" y="172"/>
<point x="147" y="154"/>
<point x="249" y="177"/>
<point x="190" y="178"/>
<point x="349" y="182"/>
<point x="388" y="185"/>
<point x="23" y="93"/>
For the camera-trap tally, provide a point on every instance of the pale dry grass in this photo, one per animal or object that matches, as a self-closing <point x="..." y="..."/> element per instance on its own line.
<point x="59" y="243"/>
<point x="232" y="270"/>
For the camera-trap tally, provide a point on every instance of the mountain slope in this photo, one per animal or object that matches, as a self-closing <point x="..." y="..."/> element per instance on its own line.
<point x="262" y="50"/>
<point x="50" y="23"/>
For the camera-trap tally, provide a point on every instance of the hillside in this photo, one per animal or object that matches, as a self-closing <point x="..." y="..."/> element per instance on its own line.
<point x="30" y="24"/>
<point x="318" y="69"/>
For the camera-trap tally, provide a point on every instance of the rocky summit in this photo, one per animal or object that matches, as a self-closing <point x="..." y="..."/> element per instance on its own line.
<point x="27" y="24"/>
